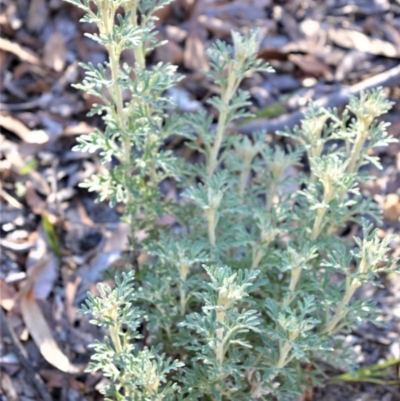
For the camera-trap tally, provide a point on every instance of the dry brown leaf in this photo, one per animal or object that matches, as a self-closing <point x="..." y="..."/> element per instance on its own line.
<point x="7" y="295"/>
<point x="175" y="33"/>
<point x="3" y="59"/>
<point x="71" y="288"/>
<point x="169" y="53"/>
<point x="78" y="129"/>
<point x="11" y="201"/>
<point x="309" y="64"/>
<point x="310" y="28"/>
<point x="162" y="14"/>
<point x="194" y="55"/>
<point x="37" y="16"/>
<point x="271" y="53"/>
<point x="291" y="25"/>
<point x="88" y="169"/>
<point x="83" y="215"/>
<point x="34" y="201"/>
<point x="92" y="272"/>
<point x="42" y="336"/>
<point x="23" y="53"/>
<point x="117" y="240"/>
<point x="391" y="207"/>
<point x="17" y="127"/>
<point x="43" y="282"/>
<point x="217" y="26"/>
<point x="349" y="63"/>
<point x="55" y="52"/>
<point x="38" y="86"/>
<point x="8" y="387"/>
<point x="356" y="40"/>
<point x="392" y="33"/>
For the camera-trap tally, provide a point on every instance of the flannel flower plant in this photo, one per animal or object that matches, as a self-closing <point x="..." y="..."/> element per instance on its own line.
<point x="253" y="281"/>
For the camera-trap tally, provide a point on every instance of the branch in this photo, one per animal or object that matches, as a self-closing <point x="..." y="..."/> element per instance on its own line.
<point x="388" y="78"/>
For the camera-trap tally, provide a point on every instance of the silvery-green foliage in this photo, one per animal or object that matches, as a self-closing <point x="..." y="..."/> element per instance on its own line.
<point x="135" y="111"/>
<point x="252" y="280"/>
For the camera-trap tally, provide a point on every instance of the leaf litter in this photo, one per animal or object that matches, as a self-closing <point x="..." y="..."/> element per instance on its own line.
<point x="56" y="242"/>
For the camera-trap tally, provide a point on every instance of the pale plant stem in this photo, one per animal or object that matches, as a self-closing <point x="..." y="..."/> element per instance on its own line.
<point x="182" y="296"/>
<point x="218" y="141"/>
<point x="296" y="273"/>
<point x="358" y="144"/>
<point x="211" y="226"/>
<point x="294" y="279"/>
<point x="243" y="179"/>
<point x="116" y="92"/>
<point x="183" y="271"/>
<point x="114" y="65"/>
<point x="283" y="358"/>
<point x="317" y="224"/>
<point x="115" y="338"/>
<point x="340" y="312"/>
<point x="114" y="330"/>
<point x="256" y="258"/>
<point x="115" y="88"/>
<point x="284" y="351"/>
<point x="222" y="121"/>
<point x="355" y="152"/>
<point x="138" y="51"/>
<point x="117" y="95"/>
<point x="168" y="331"/>
<point x="219" y="352"/>
<point x="270" y="194"/>
<point x="212" y="161"/>
<point x="351" y="287"/>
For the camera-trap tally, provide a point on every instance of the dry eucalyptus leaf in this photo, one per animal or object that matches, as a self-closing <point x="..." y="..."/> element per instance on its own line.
<point x="117" y="240"/>
<point x="349" y="63"/>
<point x="42" y="336"/>
<point x="17" y="127"/>
<point x="356" y="40"/>
<point x="219" y="27"/>
<point x="169" y="53"/>
<point x="43" y="282"/>
<point x="23" y="53"/>
<point x="309" y="64"/>
<point x="55" y="52"/>
<point x="37" y="16"/>
<point x="7" y="295"/>
<point x="34" y="201"/>
<point x="391" y="207"/>
<point x="194" y="55"/>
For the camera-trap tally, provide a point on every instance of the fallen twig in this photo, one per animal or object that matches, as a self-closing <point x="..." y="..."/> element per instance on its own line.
<point x="388" y="78"/>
